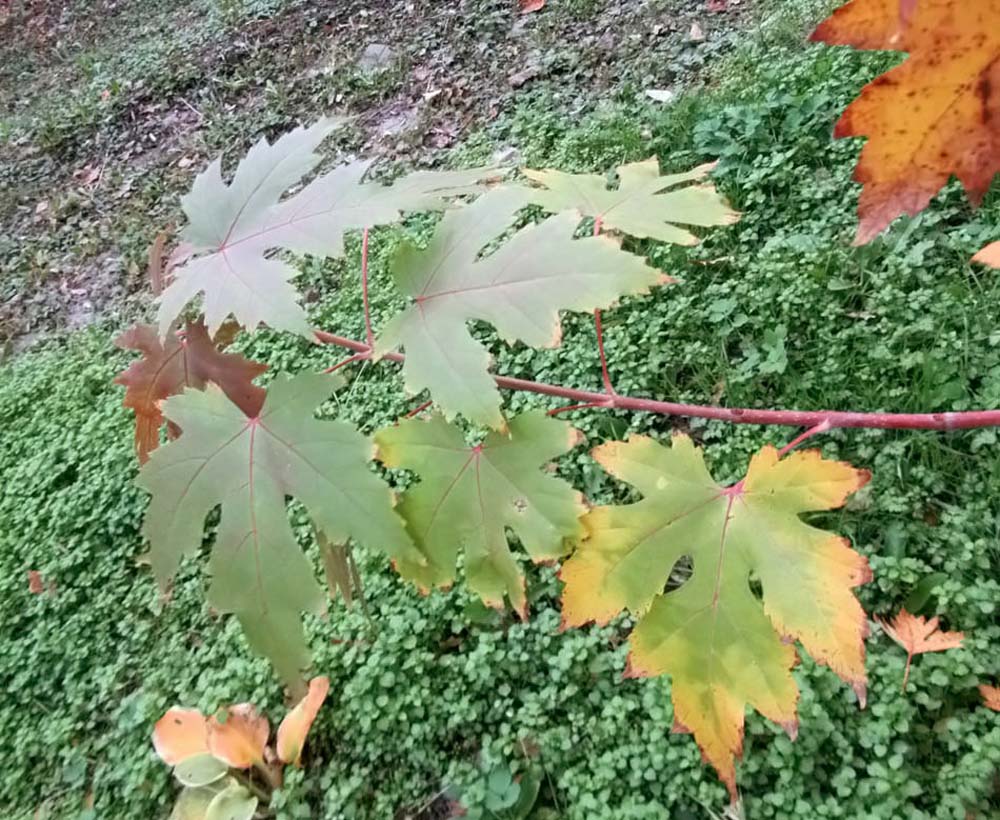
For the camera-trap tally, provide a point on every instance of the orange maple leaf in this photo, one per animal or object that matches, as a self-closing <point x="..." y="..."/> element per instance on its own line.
<point x="918" y="635"/>
<point x="934" y="116"/>
<point x="991" y="696"/>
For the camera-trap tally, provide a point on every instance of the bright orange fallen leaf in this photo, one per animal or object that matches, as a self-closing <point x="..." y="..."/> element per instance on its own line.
<point x="990" y="255"/>
<point x="918" y="635"/>
<point x="294" y="728"/>
<point x="991" y="696"/>
<point x="528" y="6"/>
<point x="239" y="738"/>
<point x="934" y="116"/>
<point x="180" y="734"/>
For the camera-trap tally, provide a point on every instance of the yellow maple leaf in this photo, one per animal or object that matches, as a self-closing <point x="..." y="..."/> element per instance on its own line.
<point x="723" y="647"/>
<point x="935" y="115"/>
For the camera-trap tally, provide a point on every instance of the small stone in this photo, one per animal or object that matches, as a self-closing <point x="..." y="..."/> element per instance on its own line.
<point x="375" y="58"/>
<point x="507" y="156"/>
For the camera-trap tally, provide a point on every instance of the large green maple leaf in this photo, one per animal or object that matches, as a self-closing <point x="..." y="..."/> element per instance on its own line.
<point x="469" y="496"/>
<point x="723" y="647"/>
<point x="519" y="288"/>
<point x="644" y="204"/>
<point x="249" y="466"/>
<point x="232" y="228"/>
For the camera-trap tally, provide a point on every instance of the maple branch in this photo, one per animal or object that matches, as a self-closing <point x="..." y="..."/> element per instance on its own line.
<point x="369" y="335"/>
<point x="963" y="420"/>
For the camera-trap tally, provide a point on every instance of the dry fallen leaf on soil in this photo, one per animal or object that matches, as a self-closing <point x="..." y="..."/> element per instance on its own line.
<point x="918" y="635"/>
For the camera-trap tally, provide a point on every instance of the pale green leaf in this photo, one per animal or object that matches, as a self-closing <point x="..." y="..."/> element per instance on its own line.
<point x="193" y="803"/>
<point x="232" y="228"/>
<point x="644" y="204"/>
<point x="250" y="466"/>
<point x="200" y="770"/>
<point x="235" y="803"/>
<point x="518" y="288"/>
<point x="469" y="496"/>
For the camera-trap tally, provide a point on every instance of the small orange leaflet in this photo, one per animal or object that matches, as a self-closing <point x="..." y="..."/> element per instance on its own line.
<point x="35" y="584"/>
<point x="297" y="723"/>
<point x="528" y="6"/>
<point x="238" y="740"/>
<point x="991" y="696"/>
<point x="918" y="635"/>
<point x="935" y="116"/>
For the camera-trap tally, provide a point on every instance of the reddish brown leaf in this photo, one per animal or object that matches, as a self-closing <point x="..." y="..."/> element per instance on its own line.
<point x="991" y="696"/>
<point x="528" y="6"/>
<point x="167" y="368"/>
<point x="917" y="635"/>
<point x="35" y="585"/>
<point x="154" y="263"/>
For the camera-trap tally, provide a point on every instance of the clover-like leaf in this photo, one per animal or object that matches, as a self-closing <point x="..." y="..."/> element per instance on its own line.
<point x="469" y="496"/>
<point x="237" y="736"/>
<point x="233" y="227"/>
<point x="644" y="203"/>
<point x="519" y="288"/>
<point x="181" y="733"/>
<point x="249" y="466"/>
<point x="295" y="727"/>
<point x="188" y="359"/>
<point x="723" y="647"/>
<point x="934" y="116"/>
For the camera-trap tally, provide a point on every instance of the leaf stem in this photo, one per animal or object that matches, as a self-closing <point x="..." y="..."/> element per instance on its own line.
<point x="963" y="420"/>
<point x="369" y="335"/>
<point x="822" y="427"/>
<point x="605" y="376"/>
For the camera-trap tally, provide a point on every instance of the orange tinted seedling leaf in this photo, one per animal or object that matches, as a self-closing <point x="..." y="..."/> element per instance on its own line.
<point x="180" y="734"/>
<point x="935" y="116"/>
<point x="918" y="635"/>
<point x="294" y="728"/>
<point x="991" y="696"/>
<point x="240" y="737"/>
<point x="990" y="255"/>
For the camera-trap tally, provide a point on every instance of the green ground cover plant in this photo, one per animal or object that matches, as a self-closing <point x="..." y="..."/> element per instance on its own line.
<point x="438" y="698"/>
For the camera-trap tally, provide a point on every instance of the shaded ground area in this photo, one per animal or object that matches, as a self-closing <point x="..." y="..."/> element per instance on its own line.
<point x="107" y="109"/>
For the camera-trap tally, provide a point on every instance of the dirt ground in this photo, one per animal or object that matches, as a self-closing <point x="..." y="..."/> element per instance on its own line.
<point x="108" y="108"/>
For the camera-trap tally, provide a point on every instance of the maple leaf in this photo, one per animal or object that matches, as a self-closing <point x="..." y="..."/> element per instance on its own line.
<point x="918" y="635"/>
<point x="180" y="734"/>
<point x="991" y="696"/>
<point x="238" y="740"/>
<point x="297" y="723"/>
<point x="934" y="116"/>
<point x="990" y="255"/>
<point x="249" y="466"/>
<point x="644" y="204"/>
<point x="188" y="359"/>
<point x="231" y="228"/>
<point x="518" y="288"/>
<point x="468" y="497"/>
<point x="722" y="646"/>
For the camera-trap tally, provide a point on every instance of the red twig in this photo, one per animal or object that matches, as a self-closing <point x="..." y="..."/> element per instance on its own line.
<point x="964" y="420"/>
<point x="570" y="407"/>
<point x="357" y="357"/>
<point x="369" y="335"/>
